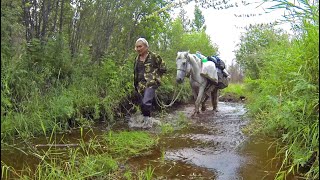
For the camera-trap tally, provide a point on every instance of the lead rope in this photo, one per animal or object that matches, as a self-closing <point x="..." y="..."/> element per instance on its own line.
<point x="172" y="101"/>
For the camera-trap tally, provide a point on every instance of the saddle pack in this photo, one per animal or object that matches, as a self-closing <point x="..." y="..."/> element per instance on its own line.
<point x="223" y="81"/>
<point x="219" y="63"/>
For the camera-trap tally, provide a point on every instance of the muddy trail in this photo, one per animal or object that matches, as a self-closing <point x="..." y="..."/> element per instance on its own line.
<point x="210" y="146"/>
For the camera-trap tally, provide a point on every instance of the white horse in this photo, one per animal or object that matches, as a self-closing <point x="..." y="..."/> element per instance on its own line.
<point x="188" y="65"/>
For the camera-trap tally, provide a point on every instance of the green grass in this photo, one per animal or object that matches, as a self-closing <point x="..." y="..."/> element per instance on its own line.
<point x="283" y="101"/>
<point x="129" y="143"/>
<point x="235" y="88"/>
<point x="95" y="159"/>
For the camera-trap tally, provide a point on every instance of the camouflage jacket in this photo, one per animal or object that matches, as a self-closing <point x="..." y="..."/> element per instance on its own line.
<point x="154" y="68"/>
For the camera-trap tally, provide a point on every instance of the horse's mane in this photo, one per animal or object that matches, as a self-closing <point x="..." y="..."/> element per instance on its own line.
<point x="182" y="55"/>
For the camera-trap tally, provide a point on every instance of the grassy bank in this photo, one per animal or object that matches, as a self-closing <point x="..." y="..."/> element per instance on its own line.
<point x="283" y="88"/>
<point x="235" y="92"/>
<point x="99" y="158"/>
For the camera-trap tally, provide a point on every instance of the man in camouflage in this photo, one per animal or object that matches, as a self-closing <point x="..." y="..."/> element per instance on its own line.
<point x="148" y="69"/>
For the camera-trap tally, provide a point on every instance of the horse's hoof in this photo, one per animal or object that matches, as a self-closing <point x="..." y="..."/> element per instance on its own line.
<point x="215" y="110"/>
<point x="195" y="114"/>
<point x="203" y="108"/>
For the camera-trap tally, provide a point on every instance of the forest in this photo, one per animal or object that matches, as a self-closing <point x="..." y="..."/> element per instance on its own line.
<point x="70" y="63"/>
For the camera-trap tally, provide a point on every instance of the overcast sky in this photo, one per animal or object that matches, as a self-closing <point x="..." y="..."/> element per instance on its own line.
<point x="224" y="28"/>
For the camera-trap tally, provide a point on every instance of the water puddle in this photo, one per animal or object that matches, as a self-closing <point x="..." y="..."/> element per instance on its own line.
<point x="211" y="147"/>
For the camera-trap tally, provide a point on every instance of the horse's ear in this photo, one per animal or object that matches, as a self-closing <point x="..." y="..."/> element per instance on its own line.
<point x="186" y="55"/>
<point x="178" y="54"/>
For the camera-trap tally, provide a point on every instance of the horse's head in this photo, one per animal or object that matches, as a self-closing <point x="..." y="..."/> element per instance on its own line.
<point x="183" y="66"/>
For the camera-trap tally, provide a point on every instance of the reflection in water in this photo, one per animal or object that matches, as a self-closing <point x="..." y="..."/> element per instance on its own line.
<point x="224" y="163"/>
<point x="212" y="147"/>
<point x="228" y="152"/>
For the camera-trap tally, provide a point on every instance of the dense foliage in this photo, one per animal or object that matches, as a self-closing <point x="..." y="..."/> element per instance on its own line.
<point x="282" y="75"/>
<point x="71" y="63"/>
<point x="67" y="63"/>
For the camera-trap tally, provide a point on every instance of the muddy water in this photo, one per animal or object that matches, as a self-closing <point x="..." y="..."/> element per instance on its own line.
<point x="220" y="137"/>
<point x="214" y="147"/>
<point x="211" y="147"/>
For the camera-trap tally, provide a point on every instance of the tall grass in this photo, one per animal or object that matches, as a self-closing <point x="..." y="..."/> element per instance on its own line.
<point x="98" y="158"/>
<point x="129" y="143"/>
<point x="38" y="94"/>
<point x="284" y="100"/>
<point x="84" y="97"/>
<point x="237" y="89"/>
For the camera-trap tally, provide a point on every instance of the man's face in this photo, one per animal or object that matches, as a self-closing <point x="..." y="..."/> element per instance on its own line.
<point x="141" y="48"/>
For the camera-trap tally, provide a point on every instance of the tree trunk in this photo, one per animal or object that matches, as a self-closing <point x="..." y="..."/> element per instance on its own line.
<point x="61" y="17"/>
<point x="55" y="19"/>
<point x="26" y="20"/>
<point x="45" y="15"/>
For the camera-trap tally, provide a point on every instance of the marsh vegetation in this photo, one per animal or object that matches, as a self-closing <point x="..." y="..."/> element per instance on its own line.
<point x="66" y="66"/>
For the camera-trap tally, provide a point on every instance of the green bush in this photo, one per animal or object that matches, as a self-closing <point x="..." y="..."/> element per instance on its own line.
<point x="284" y="99"/>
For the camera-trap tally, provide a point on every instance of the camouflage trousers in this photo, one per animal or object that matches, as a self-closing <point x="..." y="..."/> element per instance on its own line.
<point x="146" y="100"/>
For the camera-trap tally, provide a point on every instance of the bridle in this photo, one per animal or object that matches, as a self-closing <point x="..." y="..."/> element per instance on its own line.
<point x="184" y="70"/>
<point x="188" y="74"/>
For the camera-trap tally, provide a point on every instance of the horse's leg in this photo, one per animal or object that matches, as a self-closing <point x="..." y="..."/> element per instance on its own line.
<point x="194" y="90"/>
<point x="214" y="98"/>
<point x="208" y="90"/>
<point x="199" y="98"/>
<point x="194" y="93"/>
<point x="203" y="103"/>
